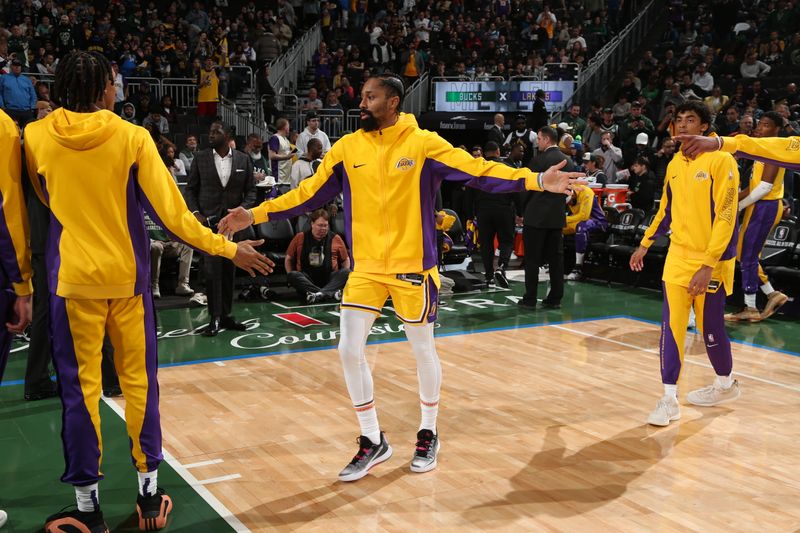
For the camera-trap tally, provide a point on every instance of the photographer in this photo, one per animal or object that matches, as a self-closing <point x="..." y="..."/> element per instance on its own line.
<point x="220" y="179"/>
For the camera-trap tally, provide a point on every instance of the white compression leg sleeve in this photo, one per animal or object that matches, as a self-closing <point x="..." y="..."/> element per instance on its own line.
<point x="355" y="326"/>
<point x="429" y="372"/>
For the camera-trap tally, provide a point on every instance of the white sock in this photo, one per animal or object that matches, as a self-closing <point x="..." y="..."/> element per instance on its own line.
<point x="148" y="483"/>
<point x="750" y="300"/>
<point x="724" y="382"/>
<point x="88" y="498"/>
<point x="767" y="288"/>
<point x="671" y="390"/>
<point x="578" y="258"/>
<point x="429" y="372"/>
<point x="355" y="326"/>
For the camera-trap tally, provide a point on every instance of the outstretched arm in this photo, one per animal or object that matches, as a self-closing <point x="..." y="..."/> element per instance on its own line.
<point x="781" y="151"/>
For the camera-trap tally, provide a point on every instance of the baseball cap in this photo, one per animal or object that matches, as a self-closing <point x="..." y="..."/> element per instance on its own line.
<point x="16" y="62"/>
<point x="311" y="115"/>
<point x="607" y="110"/>
<point x="642" y="138"/>
<point x="577" y="145"/>
<point x="587" y="156"/>
<point x="564" y="126"/>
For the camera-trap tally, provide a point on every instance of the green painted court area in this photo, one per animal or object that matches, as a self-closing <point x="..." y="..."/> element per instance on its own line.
<point x="31" y="460"/>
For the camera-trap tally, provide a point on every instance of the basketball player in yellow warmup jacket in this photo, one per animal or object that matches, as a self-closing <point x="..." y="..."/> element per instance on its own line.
<point x="698" y="206"/>
<point x="97" y="173"/>
<point x="389" y="172"/>
<point x="15" y="259"/>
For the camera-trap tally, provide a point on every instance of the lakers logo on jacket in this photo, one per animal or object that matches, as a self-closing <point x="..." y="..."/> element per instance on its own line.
<point x="404" y="164"/>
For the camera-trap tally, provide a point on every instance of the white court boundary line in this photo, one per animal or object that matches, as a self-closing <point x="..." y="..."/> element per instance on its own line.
<point x="685" y="360"/>
<point x="192" y="481"/>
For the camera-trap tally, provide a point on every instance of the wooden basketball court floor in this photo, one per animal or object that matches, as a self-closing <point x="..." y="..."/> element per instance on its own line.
<point x="542" y="429"/>
<point x="542" y="426"/>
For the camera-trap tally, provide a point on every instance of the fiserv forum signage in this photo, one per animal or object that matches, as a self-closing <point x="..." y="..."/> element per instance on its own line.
<point x="500" y="96"/>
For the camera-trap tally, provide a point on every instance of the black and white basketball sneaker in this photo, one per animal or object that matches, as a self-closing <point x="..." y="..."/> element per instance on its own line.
<point x="368" y="455"/>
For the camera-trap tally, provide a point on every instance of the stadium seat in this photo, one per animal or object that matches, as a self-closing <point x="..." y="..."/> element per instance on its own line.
<point x="458" y="252"/>
<point x="302" y="224"/>
<point x="277" y="235"/>
<point x="621" y="233"/>
<point x="780" y="243"/>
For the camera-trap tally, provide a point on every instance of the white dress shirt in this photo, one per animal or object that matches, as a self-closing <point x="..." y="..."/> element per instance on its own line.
<point x="224" y="165"/>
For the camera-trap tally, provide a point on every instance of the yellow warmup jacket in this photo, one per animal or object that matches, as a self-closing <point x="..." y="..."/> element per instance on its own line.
<point x="97" y="173"/>
<point x="699" y="205"/>
<point x="15" y="256"/>
<point x="389" y="179"/>
<point x="776" y="193"/>
<point x="587" y="206"/>
<point x="781" y="151"/>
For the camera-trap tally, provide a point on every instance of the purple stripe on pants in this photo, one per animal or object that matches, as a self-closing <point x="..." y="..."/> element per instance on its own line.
<point x="582" y="231"/>
<point x="433" y="301"/>
<point x="668" y="348"/>
<point x="718" y="345"/>
<point x="81" y="449"/>
<point x="150" y="436"/>
<point x="7" y="299"/>
<point x="762" y="218"/>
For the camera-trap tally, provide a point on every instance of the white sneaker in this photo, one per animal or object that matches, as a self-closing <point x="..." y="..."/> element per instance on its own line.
<point x="3" y="518"/>
<point x="156" y="292"/>
<point x="667" y="410"/>
<point x="714" y="394"/>
<point x="183" y="289"/>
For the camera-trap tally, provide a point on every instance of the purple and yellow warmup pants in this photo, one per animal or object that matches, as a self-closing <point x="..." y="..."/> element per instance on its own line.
<point x="7" y="299"/>
<point x="77" y="329"/>
<point x="584" y="229"/>
<point x="759" y="219"/>
<point x="710" y="310"/>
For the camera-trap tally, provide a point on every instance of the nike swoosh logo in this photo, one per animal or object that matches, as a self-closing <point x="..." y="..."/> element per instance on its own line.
<point x="359" y="166"/>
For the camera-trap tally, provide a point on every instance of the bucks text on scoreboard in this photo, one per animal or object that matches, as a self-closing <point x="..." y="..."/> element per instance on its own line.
<point x="493" y="96"/>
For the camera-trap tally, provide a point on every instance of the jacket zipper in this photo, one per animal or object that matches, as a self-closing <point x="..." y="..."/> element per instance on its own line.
<point x="384" y="202"/>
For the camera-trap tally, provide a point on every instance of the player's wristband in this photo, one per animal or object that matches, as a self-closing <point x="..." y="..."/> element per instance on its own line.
<point x="252" y="216"/>
<point x="540" y="181"/>
<point x="719" y="140"/>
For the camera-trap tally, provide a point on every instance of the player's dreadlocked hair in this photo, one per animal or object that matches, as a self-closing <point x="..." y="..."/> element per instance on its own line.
<point x="81" y="80"/>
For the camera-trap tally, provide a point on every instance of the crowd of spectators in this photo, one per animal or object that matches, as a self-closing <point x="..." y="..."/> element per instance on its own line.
<point x="739" y="58"/>
<point x="469" y="39"/>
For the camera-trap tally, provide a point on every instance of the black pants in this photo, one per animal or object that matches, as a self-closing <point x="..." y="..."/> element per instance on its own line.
<point x="22" y="116"/>
<point x="543" y="246"/>
<point x="220" y="275"/>
<point x="493" y="222"/>
<point x="303" y="284"/>
<point x="37" y="372"/>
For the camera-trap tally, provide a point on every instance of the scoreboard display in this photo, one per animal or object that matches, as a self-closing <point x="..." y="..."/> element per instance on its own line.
<point x="500" y="96"/>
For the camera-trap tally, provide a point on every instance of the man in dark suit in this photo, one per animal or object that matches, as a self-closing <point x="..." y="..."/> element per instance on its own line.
<point x="220" y="179"/>
<point x="539" y="116"/>
<point x="496" y="133"/>
<point x="495" y="213"/>
<point x="544" y="219"/>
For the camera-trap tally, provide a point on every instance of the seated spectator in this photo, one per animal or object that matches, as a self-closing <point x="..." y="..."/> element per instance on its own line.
<point x="716" y="101"/>
<point x="128" y="113"/>
<point x="593" y="164"/>
<point x="188" y="152"/>
<point x="156" y="119"/>
<point x="752" y="68"/>
<point x="169" y="111"/>
<point x="254" y="148"/>
<point x="612" y="155"/>
<point x="306" y="164"/>
<point x="730" y="123"/>
<point x="642" y="186"/>
<point x="662" y="159"/>
<point x="175" y="165"/>
<point x="317" y="263"/>
<point x="312" y="101"/>
<point x="312" y="131"/>
<point x="160" y="246"/>
<point x="585" y="217"/>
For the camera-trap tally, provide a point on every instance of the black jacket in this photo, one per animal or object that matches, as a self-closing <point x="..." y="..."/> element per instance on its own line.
<point x="480" y="201"/>
<point x="546" y="209"/>
<point x="496" y="134"/>
<point x="204" y="191"/>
